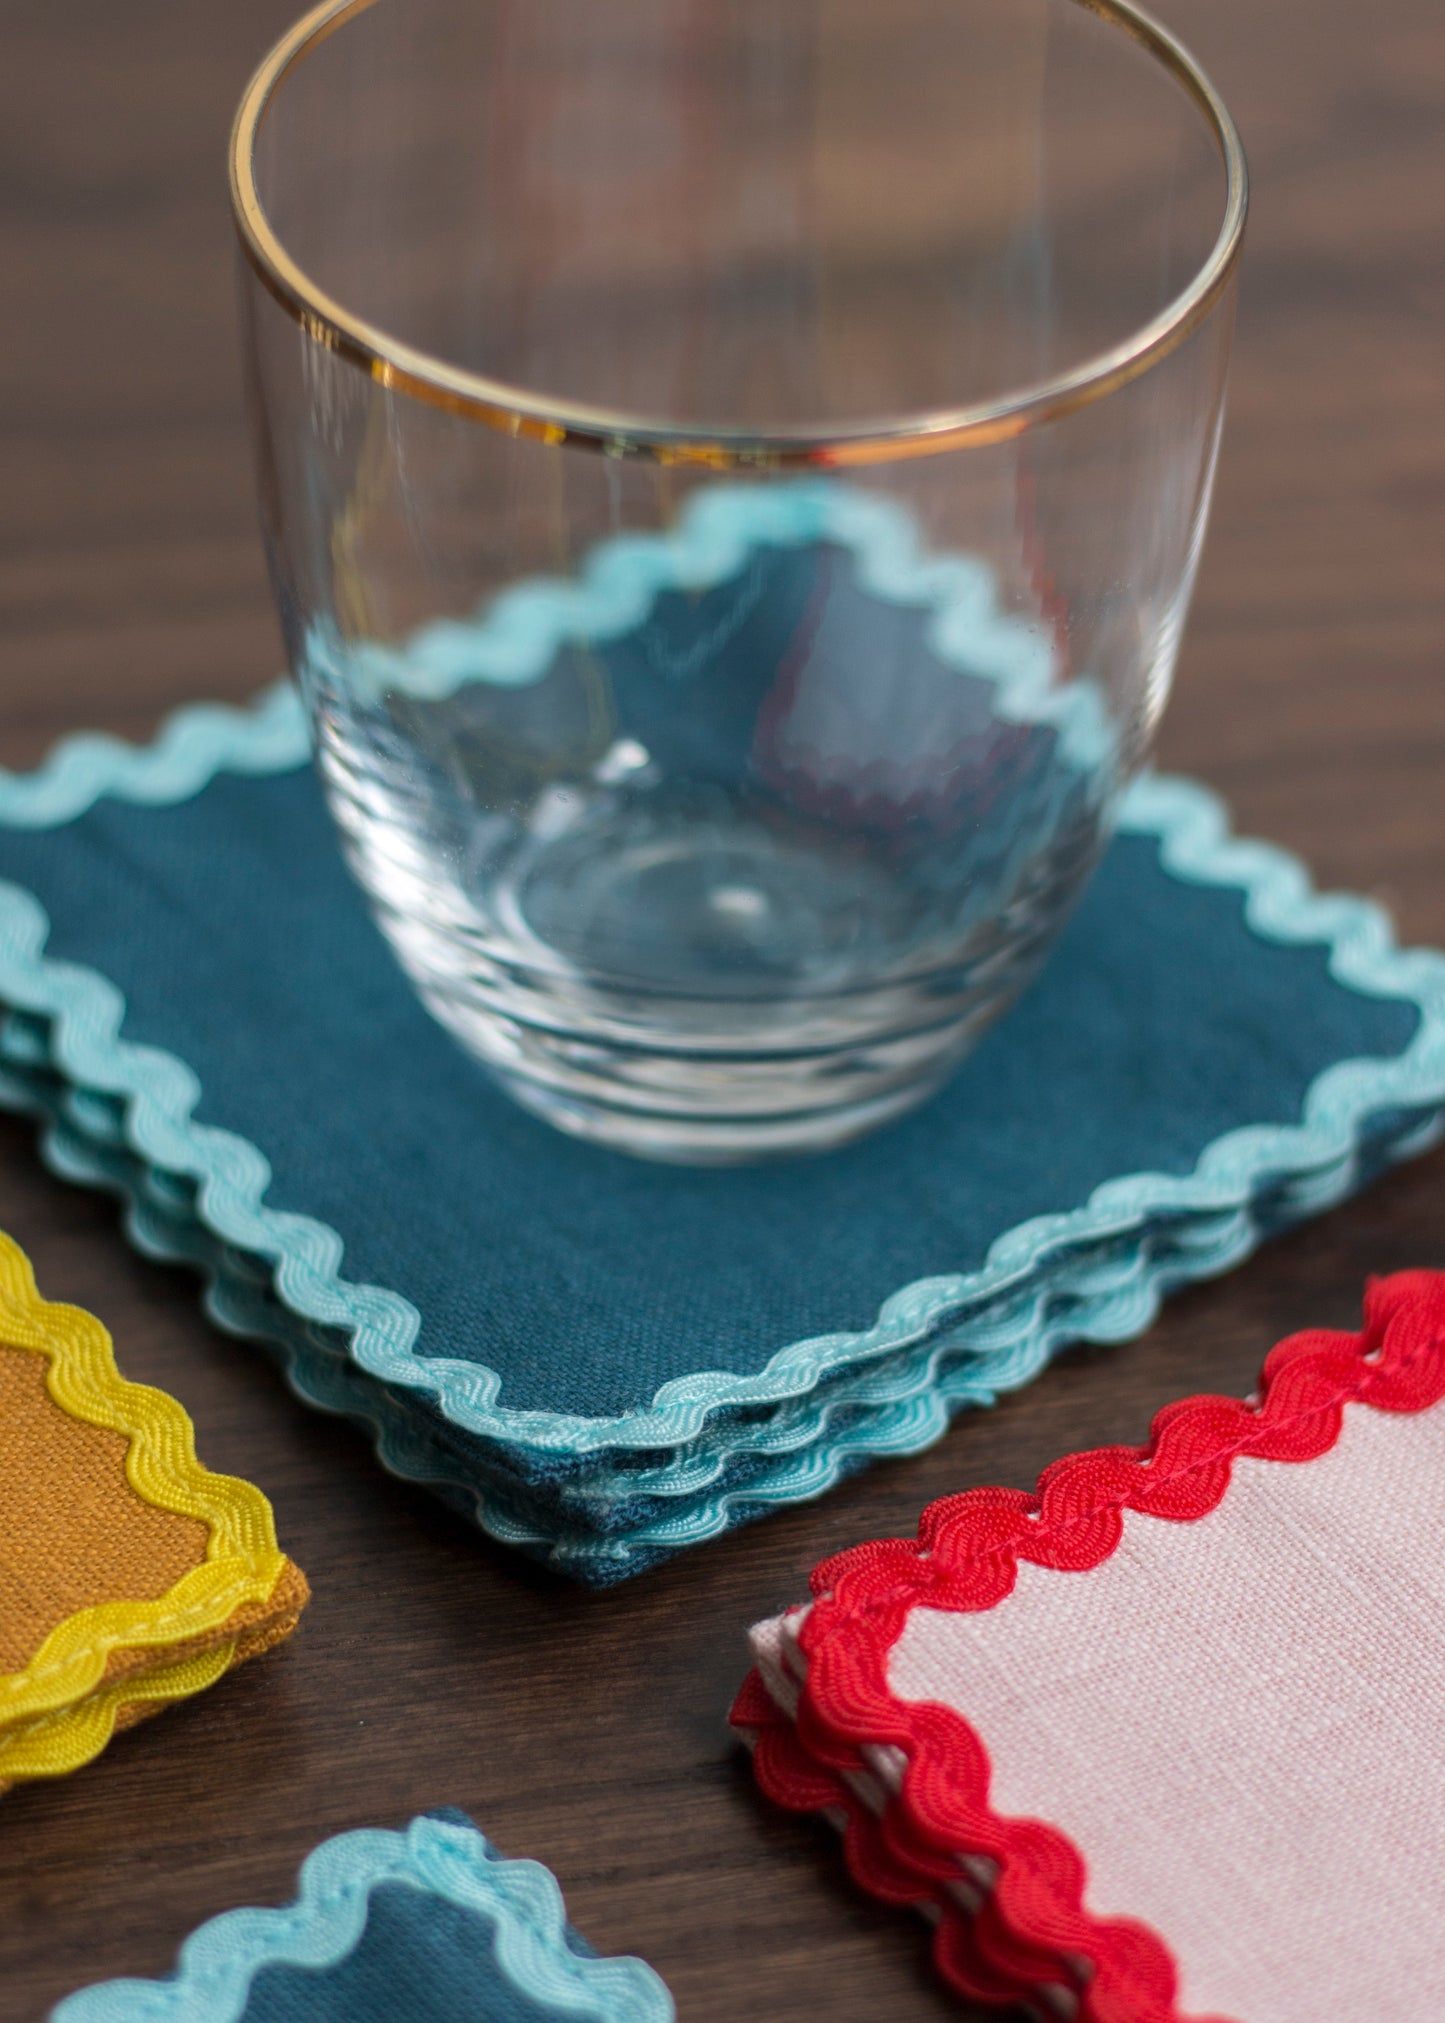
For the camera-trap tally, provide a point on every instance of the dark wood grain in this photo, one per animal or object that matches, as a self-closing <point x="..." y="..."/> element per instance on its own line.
<point x="431" y="1668"/>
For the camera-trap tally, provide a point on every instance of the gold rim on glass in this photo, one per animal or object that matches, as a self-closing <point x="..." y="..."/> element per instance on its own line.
<point x="402" y="368"/>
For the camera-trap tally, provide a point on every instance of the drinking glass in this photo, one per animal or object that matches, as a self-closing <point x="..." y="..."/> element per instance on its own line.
<point x="732" y="477"/>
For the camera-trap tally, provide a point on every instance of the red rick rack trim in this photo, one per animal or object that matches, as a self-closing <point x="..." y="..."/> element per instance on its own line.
<point x="972" y="1952"/>
<point x="966" y="1558"/>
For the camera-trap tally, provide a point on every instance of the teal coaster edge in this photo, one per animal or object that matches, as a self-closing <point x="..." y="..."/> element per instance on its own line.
<point x="521" y="1899"/>
<point x="1104" y="1299"/>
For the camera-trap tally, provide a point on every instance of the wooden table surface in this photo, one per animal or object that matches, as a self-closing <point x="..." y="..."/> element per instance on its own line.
<point x="433" y="1668"/>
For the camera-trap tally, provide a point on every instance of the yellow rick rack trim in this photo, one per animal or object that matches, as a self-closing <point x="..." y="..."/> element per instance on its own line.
<point x="243" y="1562"/>
<point x="52" y="1745"/>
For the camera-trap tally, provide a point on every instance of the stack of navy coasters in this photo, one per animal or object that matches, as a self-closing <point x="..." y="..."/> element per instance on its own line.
<point x="426" y="1926"/>
<point x="600" y="1360"/>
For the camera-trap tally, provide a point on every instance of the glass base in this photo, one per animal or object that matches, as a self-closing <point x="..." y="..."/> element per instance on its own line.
<point x="690" y="1141"/>
<point x="700" y="978"/>
<point x="697" y="1110"/>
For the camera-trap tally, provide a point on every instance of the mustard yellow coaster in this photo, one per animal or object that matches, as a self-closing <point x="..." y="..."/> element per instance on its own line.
<point x="129" y="1574"/>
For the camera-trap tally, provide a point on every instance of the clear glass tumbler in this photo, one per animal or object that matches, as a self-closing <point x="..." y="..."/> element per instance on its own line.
<point x="732" y="476"/>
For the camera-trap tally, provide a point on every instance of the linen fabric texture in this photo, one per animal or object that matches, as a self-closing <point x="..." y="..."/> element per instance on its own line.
<point x="587" y="1279"/>
<point x="1217" y="1680"/>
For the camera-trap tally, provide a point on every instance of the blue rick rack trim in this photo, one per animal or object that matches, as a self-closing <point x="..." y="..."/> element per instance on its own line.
<point x="907" y="1410"/>
<point x="1099" y="1299"/>
<point x="519" y="1899"/>
<point x="718" y="531"/>
<point x="1313" y="1159"/>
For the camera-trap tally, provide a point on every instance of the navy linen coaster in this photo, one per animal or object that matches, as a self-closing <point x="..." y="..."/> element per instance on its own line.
<point x="604" y="1360"/>
<point x="426" y="1926"/>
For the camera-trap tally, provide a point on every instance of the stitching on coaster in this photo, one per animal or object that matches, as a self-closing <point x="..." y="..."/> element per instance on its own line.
<point x="54" y="1744"/>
